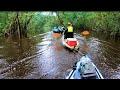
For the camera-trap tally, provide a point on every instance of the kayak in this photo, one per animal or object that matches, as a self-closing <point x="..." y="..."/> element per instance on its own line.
<point x="70" y="43"/>
<point x="57" y="30"/>
<point x="90" y="72"/>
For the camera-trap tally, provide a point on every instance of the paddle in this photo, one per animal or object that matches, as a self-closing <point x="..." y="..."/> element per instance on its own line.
<point x="77" y="50"/>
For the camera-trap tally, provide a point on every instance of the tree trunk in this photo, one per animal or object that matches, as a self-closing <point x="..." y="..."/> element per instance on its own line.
<point x="16" y="28"/>
<point x="25" y="26"/>
<point x="61" y="21"/>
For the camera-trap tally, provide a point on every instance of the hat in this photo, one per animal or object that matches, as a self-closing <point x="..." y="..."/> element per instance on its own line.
<point x="69" y="23"/>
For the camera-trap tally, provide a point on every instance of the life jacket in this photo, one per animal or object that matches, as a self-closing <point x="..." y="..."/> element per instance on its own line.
<point x="70" y="29"/>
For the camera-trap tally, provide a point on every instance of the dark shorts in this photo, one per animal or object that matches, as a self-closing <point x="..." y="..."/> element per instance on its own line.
<point x="69" y="35"/>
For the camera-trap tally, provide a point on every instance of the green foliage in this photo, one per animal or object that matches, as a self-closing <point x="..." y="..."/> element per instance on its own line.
<point x="108" y="22"/>
<point x="40" y="23"/>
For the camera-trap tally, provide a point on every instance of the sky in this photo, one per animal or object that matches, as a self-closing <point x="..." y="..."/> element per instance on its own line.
<point x="47" y="13"/>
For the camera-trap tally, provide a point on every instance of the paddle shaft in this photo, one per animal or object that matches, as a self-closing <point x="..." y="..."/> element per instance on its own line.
<point x="79" y="52"/>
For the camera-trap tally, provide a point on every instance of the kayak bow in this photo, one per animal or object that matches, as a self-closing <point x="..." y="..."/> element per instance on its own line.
<point x="91" y="73"/>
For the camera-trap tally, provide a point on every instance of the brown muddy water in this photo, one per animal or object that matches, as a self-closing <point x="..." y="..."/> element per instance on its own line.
<point x="43" y="56"/>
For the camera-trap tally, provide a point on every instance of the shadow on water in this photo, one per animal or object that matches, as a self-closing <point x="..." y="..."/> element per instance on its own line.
<point x="43" y="56"/>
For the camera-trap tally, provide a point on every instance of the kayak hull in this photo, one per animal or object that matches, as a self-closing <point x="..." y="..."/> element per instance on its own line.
<point x="69" y="47"/>
<point x="75" y="74"/>
<point x="56" y="31"/>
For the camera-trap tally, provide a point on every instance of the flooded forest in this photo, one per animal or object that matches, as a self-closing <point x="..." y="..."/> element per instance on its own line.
<point x="29" y="49"/>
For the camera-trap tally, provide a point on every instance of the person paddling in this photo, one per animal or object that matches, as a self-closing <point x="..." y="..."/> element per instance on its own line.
<point x="69" y="32"/>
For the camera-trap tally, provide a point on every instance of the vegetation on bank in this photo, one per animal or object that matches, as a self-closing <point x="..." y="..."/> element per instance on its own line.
<point x="107" y="22"/>
<point x="21" y="23"/>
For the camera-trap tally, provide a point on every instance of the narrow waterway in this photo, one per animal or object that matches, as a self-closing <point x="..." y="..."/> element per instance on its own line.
<point x="43" y="56"/>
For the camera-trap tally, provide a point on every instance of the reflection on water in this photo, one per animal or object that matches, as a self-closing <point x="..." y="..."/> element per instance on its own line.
<point x="43" y="56"/>
<point x="107" y="54"/>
